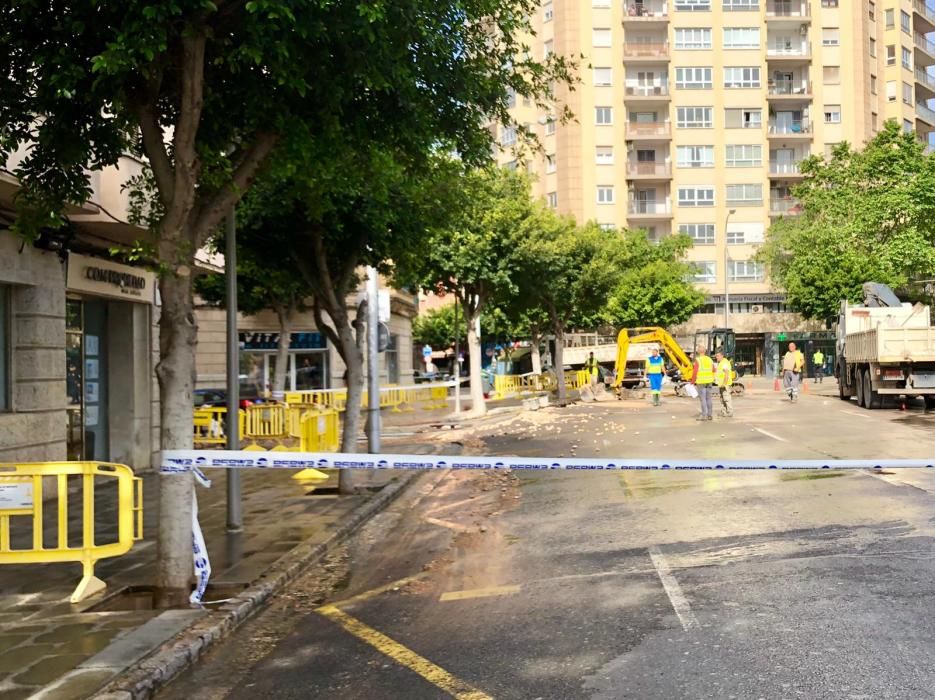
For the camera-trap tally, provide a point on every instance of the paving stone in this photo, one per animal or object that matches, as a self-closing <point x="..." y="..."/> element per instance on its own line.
<point x="65" y="633"/>
<point x="8" y="641"/>
<point x="48" y="669"/>
<point x="77" y="685"/>
<point x="88" y="644"/>
<point x="21" y="658"/>
<point x="16" y="694"/>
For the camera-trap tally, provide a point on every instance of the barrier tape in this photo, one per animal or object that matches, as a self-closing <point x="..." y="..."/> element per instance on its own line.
<point x="180" y="461"/>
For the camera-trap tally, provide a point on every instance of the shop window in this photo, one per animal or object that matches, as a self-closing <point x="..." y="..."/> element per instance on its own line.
<point x="4" y="348"/>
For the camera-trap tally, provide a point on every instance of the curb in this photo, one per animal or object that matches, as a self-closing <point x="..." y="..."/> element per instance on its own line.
<point x="143" y="679"/>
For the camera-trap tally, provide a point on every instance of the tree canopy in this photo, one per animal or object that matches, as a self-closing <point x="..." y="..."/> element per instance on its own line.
<point x="867" y="215"/>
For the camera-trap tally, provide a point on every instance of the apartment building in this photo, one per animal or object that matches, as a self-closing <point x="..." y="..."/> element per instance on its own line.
<point x="693" y="116"/>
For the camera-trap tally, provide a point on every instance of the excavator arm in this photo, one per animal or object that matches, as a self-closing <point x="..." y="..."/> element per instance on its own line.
<point x="652" y="334"/>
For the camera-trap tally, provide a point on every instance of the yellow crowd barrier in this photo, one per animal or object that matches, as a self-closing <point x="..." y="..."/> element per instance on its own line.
<point x="21" y="498"/>
<point x="319" y="431"/>
<point x="577" y="379"/>
<point x="273" y="422"/>
<point x="396" y="398"/>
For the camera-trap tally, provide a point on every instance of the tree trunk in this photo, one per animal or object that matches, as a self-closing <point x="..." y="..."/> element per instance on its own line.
<point x="535" y="339"/>
<point x="176" y="375"/>
<point x="282" y="354"/>
<point x="472" y="316"/>
<point x="559" y="363"/>
<point x="354" y="359"/>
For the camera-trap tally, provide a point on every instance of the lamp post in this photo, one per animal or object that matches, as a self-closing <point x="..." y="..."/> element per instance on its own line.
<point x="730" y="212"/>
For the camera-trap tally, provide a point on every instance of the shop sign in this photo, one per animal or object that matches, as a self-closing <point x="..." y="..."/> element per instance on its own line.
<point x="109" y="279"/>
<point x="268" y="340"/>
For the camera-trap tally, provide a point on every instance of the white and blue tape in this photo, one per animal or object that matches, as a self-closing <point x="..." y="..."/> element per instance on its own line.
<point x="178" y="461"/>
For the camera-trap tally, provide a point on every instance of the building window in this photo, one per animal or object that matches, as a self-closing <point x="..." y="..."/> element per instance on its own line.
<point x="693" y="78"/>
<point x="693" y="38"/>
<point x="701" y="234"/>
<point x="905" y="23"/>
<point x="696" y="196"/>
<point x="907" y="58"/>
<point x="550" y="163"/>
<point x="4" y="348"/>
<point x="693" y="5"/>
<point x="547" y="12"/>
<point x="829" y="3"/>
<point x="607" y="227"/>
<point x="873" y="85"/>
<point x="508" y="136"/>
<point x="832" y="114"/>
<point x="510" y="98"/>
<point x="694" y="117"/>
<point x="603" y="77"/>
<point x="745" y="271"/>
<point x="890" y="90"/>
<point x="873" y="11"/>
<point x="830" y="36"/>
<point x="743" y="118"/>
<point x="873" y="122"/>
<point x="741" y="37"/>
<point x="392" y="359"/>
<point x="552" y="200"/>
<point x="831" y="75"/>
<point x="891" y="55"/>
<point x="742" y="77"/>
<point x="744" y="156"/>
<point x="695" y="156"/>
<point x="741" y="5"/>
<point x="604" y="155"/>
<point x="907" y="126"/>
<point x="890" y="18"/>
<point x="600" y="37"/>
<point x="704" y="272"/>
<point x="603" y="116"/>
<point x="907" y="93"/>
<point x="746" y="193"/>
<point x="601" y="4"/>
<point x="605" y="194"/>
<point x="873" y="47"/>
<point x="549" y="48"/>
<point x="550" y="126"/>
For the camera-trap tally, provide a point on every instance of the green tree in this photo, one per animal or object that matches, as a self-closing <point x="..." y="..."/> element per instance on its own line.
<point x="867" y="215"/>
<point x="206" y="90"/>
<point x="472" y="255"/>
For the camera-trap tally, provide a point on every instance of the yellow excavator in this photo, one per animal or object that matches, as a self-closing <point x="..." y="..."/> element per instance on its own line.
<point x="716" y="339"/>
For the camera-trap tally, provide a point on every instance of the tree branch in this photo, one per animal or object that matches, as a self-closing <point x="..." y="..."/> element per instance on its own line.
<point x="155" y="149"/>
<point x="322" y="327"/>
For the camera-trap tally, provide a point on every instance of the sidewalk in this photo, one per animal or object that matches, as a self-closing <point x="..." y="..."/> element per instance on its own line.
<point x="43" y="636"/>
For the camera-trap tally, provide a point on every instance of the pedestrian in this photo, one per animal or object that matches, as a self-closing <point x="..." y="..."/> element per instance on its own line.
<point x="590" y="366"/>
<point x="723" y="379"/>
<point x="818" y="362"/>
<point x="792" y="364"/>
<point x="703" y="379"/>
<point x="655" y="367"/>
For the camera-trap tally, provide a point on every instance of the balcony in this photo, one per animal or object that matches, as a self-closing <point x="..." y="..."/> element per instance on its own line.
<point x="924" y="19"/>
<point x="792" y="11"/>
<point x="925" y="49"/>
<point x="787" y="49"/>
<point x="784" y="170"/>
<point x="925" y="114"/>
<point x="647" y="131"/>
<point x="645" y="13"/>
<point x="649" y="51"/>
<point x="652" y="170"/>
<point x="784" y="206"/>
<point x="790" y="129"/>
<point x="789" y="89"/>
<point x="925" y="83"/>
<point x="646" y="93"/>
<point x="649" y="210"/>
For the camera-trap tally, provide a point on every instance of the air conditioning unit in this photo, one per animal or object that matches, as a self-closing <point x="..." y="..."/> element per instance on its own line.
<point x="756" y="308"/>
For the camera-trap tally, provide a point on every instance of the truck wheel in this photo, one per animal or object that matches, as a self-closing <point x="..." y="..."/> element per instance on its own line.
<point x="843" y="393"/>
<point x="859" y="382"/>
<point x="929" y="402"/>
<point x="872" y="399"/>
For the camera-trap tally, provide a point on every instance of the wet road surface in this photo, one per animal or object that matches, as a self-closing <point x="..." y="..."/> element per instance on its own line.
<point x="623" y="585"/>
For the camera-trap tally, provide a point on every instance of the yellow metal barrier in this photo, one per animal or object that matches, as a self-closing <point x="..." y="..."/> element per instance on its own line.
<point x="319" y="431"/>
<point x="265" y="422"/>
<point x="577" y="379"/>
<point x="21" y="496"/>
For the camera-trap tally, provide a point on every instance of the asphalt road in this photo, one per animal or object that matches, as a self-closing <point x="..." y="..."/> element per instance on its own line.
<point x="625" y="585"/>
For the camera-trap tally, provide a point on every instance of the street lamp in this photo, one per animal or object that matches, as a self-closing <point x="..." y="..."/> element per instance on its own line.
<point x="730" y="212"/>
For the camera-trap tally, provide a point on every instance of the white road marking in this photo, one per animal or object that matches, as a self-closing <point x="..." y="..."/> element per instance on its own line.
<point x="770" y="435"/>
<point x="673" y="590"/>
<point x="855" y="413"/>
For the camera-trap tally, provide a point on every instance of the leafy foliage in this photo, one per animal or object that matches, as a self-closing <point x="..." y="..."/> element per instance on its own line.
<point x="868" y="215"/>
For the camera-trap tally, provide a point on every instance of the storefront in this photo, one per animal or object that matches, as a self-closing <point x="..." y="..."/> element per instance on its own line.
<point x="108" y="362"/>
<point x="307" y="364"/>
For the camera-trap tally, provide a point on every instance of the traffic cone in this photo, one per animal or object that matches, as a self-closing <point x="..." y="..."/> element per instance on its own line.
<point x="804" y="387"/>
<point x="776" y="385"/>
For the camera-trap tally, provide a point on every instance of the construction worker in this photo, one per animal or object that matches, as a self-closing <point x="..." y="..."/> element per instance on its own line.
<point x="703" y="379"/>
<point x="818" y="362"/>
<point x="591" y="366"/>
<point x="655" y="370"/>
<point x="723" y="378"/>
<point x="792" y="364"/>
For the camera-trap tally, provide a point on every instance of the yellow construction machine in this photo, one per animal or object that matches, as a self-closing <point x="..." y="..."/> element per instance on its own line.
<point x="681" y="364"/>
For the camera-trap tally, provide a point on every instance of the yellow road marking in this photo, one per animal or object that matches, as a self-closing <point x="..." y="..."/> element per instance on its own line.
<point x="405" y="657"/>
<point x="445" y="523"/>
<point x="488" y="592"/>
<point x="373" y="592"/>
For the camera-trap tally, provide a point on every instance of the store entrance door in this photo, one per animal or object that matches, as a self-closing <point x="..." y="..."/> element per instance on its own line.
<point x="86" y="379"/>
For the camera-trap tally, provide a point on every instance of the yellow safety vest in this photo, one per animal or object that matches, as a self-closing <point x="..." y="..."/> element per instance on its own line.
<point x="654" y="367"/>
<point x="724" y="374"/>
<point x="705" y="370"/>
<point x="818" y="358"/>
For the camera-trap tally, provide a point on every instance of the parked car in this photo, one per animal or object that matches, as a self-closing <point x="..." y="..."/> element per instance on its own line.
<point x="427" y="377"/>
<point x="217" y="398"/>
